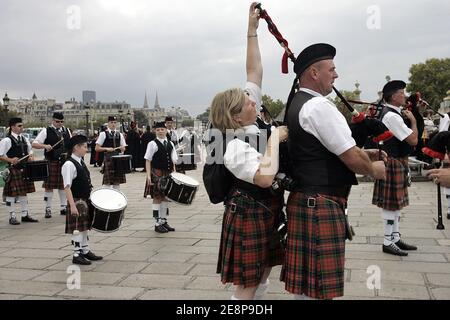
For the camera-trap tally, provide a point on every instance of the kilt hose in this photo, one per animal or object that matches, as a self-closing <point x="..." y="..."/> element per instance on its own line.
<point x="16" y="185"/>
<point x="109" y="176"/>
<point x="249" y="241"/>
<point x="84" y="220"/>
<point x="315" y="248"/>
<point x="392" y="194"/>
<point x="155" y="190"/>
<point x="55" y="179"/>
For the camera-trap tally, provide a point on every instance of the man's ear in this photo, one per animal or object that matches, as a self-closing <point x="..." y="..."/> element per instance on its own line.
<point x="237" y="118"/>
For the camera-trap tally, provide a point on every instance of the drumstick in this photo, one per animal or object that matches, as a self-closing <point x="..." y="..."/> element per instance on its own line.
<point x="21" y="159"/>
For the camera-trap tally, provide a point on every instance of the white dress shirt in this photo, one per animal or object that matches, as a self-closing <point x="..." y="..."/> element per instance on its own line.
<point x="69" y="171"/>
<point x="6" y="143"/>
<point x="320" y="117"/>
<point x="102" y="137"/>
<point x="394" y="122"/>
<point x="42" y="136"/>
<point x="152" y="148"/>
<point x="444" y="123"/>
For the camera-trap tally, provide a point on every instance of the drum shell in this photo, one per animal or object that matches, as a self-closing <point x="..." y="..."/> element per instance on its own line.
<point x="106" y="222"/>
<point x="122" y="164"/>
<point x="179" y="192"/>
<point x="36" y="170"/>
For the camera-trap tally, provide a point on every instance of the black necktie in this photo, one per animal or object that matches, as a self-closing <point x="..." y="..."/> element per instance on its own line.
<point x="165" y="144"/>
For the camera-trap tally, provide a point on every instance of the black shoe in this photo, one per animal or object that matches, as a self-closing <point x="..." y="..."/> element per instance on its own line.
<point x="81" y="260"/>
<point x="13" y="221"/>
<point x="29" y="219"/>
<point x="48" y="214"/>
<point x="393" y="249"/>
<point x="404" y="246"/>
<point x="169" y="228"/>
<point x="63" y="212"/>
<point x="91" y="256"/>
<point x="161" y="229"/>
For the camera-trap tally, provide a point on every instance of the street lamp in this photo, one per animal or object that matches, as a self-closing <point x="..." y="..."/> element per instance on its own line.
<point x="120" y="117"/>
<point x="86" y="106"/>
<point x="6" y="102"/>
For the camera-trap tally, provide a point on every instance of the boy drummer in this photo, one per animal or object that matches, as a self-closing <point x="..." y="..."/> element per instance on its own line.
<point x="77" y="185"/>
<point x="13" y="148"/>
<point x="160" y="162"/>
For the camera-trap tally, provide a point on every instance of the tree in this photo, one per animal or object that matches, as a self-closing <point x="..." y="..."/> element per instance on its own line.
<point x="5" y="116"/>
<point x="204" y="117"/>
<point x="431" y="79"/>
<point x="274" y="107"/>
<point x="140" y="118"/>
<point x="187" y="123"/>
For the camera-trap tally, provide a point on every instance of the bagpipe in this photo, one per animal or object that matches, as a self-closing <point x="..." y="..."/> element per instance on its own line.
<point x="437" y="149"/>
<point x="362" y="127"/>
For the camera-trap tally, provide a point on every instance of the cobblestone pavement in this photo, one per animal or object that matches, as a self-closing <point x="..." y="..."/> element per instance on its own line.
<point x="141" y="264"/>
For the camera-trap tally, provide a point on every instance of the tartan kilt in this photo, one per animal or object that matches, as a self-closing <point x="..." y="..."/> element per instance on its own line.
<point x="109" y="177"/>
<point x="155" y="190"/>
<point x="315" y="249"/>
<point x="249" y="240"/>
<point x="17" y="186"/>
<point x="84" y="219"/>
<point x="392" y="194"/>
<point x="55" y="179"/>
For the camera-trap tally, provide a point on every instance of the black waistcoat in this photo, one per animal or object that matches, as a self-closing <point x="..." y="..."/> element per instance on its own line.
<point x="110" y="141"/>
<point x="81" y="185"/>
<point x="394" y="147"/>
<point x="19" y="148"/>
<point x="162" y="159"/>
<point x="311" y="164"/>
<point x="53" y="137"/>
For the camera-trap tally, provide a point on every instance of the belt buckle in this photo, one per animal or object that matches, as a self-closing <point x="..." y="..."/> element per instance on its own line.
<point x="311" y="202"/>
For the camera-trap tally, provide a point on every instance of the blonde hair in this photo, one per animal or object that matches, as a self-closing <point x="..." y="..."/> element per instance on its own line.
<point x="224" y="106"/>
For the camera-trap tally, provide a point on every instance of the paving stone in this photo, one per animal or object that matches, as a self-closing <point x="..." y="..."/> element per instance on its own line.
<point x="120" y="266"/>
<point x="90" y="278"/>
<point x="182" y="294"/>
<point x="168" y="268"/>
<point x="156" y="281"/>
<point x="441" y="293"/>
<point x="33" y="263"/>
<point x="437" y="279"/>
<point x="29" y="287"/>
<point x="389" y="277"/>
<point x="19" y="274"/>
<point x="171" y="257"/>
<point x="103" y="292"/>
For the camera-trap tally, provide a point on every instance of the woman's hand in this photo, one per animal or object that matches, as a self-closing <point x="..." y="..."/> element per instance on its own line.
<point x="282" y="132"/>
<point x="253" y="19"/>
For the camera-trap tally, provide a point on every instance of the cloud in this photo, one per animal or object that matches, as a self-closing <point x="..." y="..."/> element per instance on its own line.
<point x="190" y="50"/>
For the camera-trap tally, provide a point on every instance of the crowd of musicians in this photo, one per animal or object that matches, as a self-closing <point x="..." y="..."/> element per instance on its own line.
<point x="323" y="162"/>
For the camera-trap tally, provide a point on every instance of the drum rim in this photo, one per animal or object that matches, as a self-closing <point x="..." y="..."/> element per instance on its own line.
<point x="121" y="156"/>
<point x="188" y="184"/>
<point x="107" y="210"/>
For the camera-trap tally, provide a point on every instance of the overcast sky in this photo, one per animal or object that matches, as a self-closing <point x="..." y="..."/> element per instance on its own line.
<point x="190" y="50"/>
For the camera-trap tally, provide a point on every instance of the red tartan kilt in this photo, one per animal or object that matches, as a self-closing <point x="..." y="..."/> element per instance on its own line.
<point x="315" y="249"/>
<point x="392" y="194"/>
<point x="84" y="221"/>
<point x="16" y="186"/>
<point x="109" y="177"/>
<point x="249" y="241"/>
<point x="154" y="190"/>
<point x="55" y="179"/>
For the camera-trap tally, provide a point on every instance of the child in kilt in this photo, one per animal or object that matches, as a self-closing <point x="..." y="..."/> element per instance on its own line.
<point x="111" y="141"/>
<point x="77" y="185"/>
<point x="12" y="148"/>
<point x="160" y="162"/>
<point x="55" y="156"/>
<point x="249" y="245"/>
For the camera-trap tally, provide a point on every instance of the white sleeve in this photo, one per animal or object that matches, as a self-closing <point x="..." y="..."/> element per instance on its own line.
<point x="41" y="136"/>
<point x="444" y="123"/>
<point x="255" y="94"/>
<point x="323" y="120"/>
<point x="242" y="160"/>
<point x="5" y="145"/>
<point x="397" y="126"/>
<point x="29" y="147"/>
<point x="69" y="173"/>
<point x="122" y="141"/>
<point x="70" y="132"/>
<point x="101" y="139"/>
<point x="174" y="154"/>
<point x="152" y="148"/>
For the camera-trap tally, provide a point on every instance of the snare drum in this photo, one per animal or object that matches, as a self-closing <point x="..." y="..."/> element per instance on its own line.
<point x="122" y="164"/>
<point x="36" y="170"/>
<point x="180" y="188"/>
<point x="109" y="209"/>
